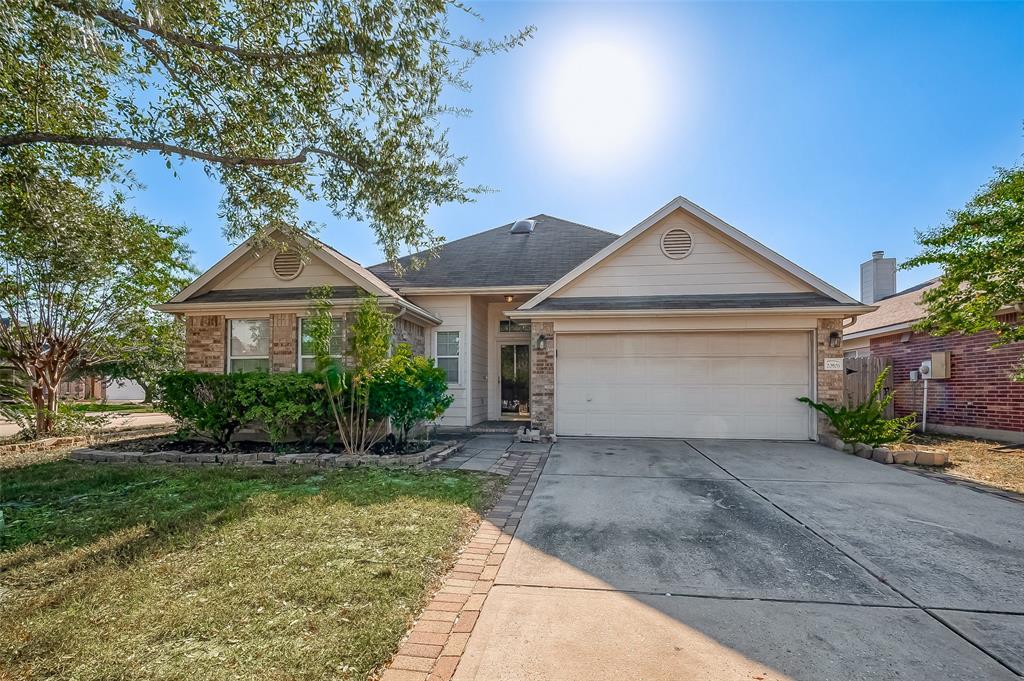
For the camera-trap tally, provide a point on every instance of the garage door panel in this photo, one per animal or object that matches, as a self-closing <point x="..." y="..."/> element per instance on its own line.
<point x="683" y="385"/>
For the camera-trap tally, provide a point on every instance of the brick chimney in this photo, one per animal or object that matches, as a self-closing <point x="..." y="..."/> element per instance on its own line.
<point x="877" y="278"/>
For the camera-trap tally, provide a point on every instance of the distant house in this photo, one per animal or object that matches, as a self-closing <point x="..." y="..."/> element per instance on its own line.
<point x="978" y="399"/>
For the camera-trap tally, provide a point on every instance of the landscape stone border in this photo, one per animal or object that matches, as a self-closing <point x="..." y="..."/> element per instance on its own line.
<point x="48" y="444"/>
<point x="431" y="455"/>
<point x="435" y="643"/>
<point x="886" y="455"/>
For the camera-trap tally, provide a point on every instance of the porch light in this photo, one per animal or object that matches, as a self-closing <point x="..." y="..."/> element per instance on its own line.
<point x="508" y="298"/>
<point x="542" y="342"/>
<point x="835" y="339"/>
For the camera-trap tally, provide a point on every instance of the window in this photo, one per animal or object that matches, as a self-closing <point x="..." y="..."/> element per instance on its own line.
<point x="249" y="345"/>
<point x="512" y="326"/>
<point x="448" y="354"/>
<point x="307" y="359"/>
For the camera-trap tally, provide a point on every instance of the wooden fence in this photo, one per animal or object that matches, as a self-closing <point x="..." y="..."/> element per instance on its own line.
<point x="859" y="378"/>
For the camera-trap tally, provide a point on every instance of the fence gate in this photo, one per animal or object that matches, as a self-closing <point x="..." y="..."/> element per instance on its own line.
<point x="859" y="377"/>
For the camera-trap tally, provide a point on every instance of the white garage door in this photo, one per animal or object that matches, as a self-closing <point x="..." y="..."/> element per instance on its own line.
<point x="729" y="385"/>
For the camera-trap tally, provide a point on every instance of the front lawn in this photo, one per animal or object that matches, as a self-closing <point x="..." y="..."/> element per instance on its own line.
<point x="118" y="572"/>
<point x="106" y="408"/>
<point x="992" y="463"/>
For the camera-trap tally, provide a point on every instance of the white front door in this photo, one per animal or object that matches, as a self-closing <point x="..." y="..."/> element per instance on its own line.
<point x="695" y="384"/>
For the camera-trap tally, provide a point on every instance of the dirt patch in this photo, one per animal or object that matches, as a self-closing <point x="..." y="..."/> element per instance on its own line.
<point x="997" y="464"/>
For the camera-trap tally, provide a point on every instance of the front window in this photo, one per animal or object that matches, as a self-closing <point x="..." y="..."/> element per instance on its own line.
<point x="249" y="345"/>
<point x="448" y="354"/>
<point x="307" y="358"/>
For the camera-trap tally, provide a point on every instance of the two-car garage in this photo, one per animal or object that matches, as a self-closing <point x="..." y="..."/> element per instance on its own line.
<point x="739" y="384"/>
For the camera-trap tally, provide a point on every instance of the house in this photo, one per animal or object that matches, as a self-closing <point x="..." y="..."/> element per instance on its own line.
<point x="978" y="399"/>
<point x="684" y="326"/>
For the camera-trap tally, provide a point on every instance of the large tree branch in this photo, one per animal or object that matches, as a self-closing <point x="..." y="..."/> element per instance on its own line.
<point x="233" y="160"/>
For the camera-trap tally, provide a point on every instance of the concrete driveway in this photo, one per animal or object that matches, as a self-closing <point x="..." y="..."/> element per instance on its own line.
<point x="665" y="559"/>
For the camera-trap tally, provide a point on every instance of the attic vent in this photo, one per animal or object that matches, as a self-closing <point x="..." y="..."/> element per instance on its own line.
<point x="287" y="265"/>
<point x="523" y="227"/>
<point x="676" y="243"/>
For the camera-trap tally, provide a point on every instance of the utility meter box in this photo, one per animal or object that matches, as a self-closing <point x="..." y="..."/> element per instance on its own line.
<point x="940" y="365"/>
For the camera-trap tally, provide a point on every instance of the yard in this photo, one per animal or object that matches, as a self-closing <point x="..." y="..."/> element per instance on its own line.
<point x="168" y="573"/>
<point x="992" y="463"/>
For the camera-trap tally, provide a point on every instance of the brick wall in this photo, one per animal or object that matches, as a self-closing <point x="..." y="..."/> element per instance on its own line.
<point x="204" y="343"/>
<point x="979" y="392"/>
<point x="830" y="383"/>
<point x="542" y="377"/>
<point x="283" y="338"/>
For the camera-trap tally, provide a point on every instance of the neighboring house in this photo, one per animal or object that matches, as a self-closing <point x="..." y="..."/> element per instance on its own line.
<point x="681" y="327"/>
<point x="978" y="398"/>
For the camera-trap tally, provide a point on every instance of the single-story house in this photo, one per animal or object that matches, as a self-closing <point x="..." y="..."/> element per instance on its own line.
<point x="684" y="326"/>
<point x="978" y="399"/>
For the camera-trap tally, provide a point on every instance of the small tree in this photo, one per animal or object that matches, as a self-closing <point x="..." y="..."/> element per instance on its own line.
<point x="77" y="273"/>
<point x="159" y="349"/>
<point x="866" y="422"/>
<point x="349" y="392"/>
<point x="410" y="390"/>
<point x="980" y="253"/>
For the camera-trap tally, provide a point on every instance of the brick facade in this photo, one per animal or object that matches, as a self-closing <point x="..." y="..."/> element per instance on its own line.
<point x="542" y="377"/>
<point x="979" y="392"/>
<point x="204" y="343"/>
<point x="283" y="338"/>
<point x="829" y="383"/>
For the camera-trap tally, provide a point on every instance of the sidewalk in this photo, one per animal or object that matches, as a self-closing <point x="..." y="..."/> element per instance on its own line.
<point x="117" y="422"/>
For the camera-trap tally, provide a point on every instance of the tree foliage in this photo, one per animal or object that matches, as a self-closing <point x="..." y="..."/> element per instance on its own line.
<point x="410" y="390"/>
<point x="981" y="253"/>
<point x="77" y="273"/>
<point x="158" y="348"/>
<point x="281" y="101"/>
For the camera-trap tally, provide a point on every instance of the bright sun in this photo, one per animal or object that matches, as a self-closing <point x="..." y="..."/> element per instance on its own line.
<point x="600" y="105"/>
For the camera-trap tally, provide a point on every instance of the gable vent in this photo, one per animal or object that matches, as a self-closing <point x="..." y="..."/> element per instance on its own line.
<point x="287" y="265"/>
<point x="676" y="243"/>
<point x="523" y="227"/>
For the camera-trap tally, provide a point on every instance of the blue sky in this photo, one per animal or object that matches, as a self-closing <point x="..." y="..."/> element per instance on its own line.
<point x="825" y="131"/>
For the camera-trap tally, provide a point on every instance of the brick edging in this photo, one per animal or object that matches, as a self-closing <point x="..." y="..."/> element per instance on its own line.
<point x="435" y="643"/>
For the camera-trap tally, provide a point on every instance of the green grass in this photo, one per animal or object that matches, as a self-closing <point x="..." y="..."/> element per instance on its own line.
<point x="100" y="407"/>
<point x="117" y="572"/>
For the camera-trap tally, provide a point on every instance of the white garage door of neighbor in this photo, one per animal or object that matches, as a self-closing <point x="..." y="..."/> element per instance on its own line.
<point x="121" y="390"/>
<point x="714" y="385"/>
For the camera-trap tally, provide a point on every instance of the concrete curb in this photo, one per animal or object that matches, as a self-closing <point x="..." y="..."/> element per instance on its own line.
<point x="906" y="457"/>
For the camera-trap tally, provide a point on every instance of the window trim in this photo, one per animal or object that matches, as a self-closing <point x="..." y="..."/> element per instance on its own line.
<point x="457" y="358"/>
<point x="230" y="357"/>
<point x="298" y="343"/>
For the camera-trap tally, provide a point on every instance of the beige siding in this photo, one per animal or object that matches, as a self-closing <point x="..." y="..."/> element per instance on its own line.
<point x="258" y="272"/>
<point x="454" y="314"/>
<point x="478" y="361"/>
<point x="715" y="265"/>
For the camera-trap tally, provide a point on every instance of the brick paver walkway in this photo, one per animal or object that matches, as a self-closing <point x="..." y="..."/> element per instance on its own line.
<point x="434" y="646"/>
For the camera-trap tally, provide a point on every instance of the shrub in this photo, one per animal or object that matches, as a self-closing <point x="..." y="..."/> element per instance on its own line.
<point x="204" y="403"/>
<point x="286" y="405"/>
<point x="409" y="390"/>
<point x="866" y="422"/>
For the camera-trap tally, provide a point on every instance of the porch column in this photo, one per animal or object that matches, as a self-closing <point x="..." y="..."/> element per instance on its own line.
<point x="542" y="377"/>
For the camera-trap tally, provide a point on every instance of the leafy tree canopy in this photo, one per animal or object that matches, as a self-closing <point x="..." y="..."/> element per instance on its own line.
<point x="158" y="347"/>
<point x="280" y="101"/>
<point x="77" y="274"/>
<point x="981" y="253"/>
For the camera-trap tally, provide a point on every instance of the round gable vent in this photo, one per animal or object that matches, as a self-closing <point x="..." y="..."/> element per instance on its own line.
<point x="676" y="243"/>
<point x="287" y="265"/>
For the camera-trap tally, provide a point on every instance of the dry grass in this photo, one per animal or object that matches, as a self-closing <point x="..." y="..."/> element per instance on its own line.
<point x="992" y="463"/>
<point x="126" y="573"/>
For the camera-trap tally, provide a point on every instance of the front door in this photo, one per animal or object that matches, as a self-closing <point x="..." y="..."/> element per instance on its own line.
<point x="515" y="380"/>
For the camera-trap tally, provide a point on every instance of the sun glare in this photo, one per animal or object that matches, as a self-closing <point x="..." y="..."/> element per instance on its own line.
<point x="600" y="105"/>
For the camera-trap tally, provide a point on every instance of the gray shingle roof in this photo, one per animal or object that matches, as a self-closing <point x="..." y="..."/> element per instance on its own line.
<point x="242" y="295"/>
<point x="690" y="302"/>
<point x="497" y="258"/>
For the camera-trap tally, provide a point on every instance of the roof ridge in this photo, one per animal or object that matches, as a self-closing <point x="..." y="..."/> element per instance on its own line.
<point x="916" y="287"/>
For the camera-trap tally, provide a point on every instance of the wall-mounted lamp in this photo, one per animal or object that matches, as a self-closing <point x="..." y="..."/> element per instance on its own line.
<point x="508" y="298"/>
<point x="542" y="342"/>
<point x="835" y="339"/>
